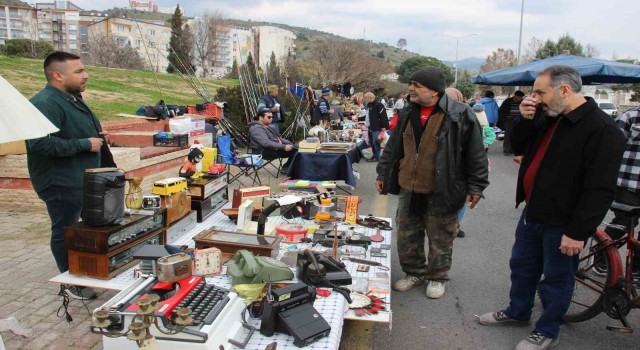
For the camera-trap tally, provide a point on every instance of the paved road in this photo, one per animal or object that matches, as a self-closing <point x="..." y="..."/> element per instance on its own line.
<point x="479" y="283"/>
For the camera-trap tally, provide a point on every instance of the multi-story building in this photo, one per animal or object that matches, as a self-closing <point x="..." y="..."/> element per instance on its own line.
<point x="16" y="21"/>
<point x="138" y="34"/>
<point x="58" y="23"/>
<point x="243" y="44"/>
<point x="273" y="39"/>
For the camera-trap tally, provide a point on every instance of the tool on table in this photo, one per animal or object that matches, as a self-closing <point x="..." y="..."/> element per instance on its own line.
<point x="367" y="262"/>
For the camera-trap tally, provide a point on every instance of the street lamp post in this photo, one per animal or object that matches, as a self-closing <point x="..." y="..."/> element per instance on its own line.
<point x="455" y="65"/>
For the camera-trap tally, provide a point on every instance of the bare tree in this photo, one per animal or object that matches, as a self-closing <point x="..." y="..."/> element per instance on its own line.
<point x="532" y="48"/>
<point x="206" y="30"/>
<point x="340" y="62"/>
<point x="591" y="51"/>
<point x="104" y="51"/>
<point x="499" y="59"/>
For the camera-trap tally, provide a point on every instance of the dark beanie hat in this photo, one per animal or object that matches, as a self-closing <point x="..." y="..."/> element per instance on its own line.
<point x="431" y="77"/>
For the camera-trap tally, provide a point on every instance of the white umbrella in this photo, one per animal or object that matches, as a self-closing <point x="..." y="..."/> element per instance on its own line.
<point x="19" y="119"/>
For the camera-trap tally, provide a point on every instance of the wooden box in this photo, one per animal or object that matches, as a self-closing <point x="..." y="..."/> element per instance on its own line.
<point x="203" y="188"/>
<point x="230" y="242"/>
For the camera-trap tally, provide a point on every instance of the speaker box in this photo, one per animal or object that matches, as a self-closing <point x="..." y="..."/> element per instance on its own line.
<point x="103" y="198"/>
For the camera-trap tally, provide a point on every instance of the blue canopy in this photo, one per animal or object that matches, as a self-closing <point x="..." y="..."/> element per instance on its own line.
<point x="592" y="71"/>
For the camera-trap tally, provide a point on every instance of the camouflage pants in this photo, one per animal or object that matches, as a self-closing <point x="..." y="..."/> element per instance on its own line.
<point x="411" y="230"/>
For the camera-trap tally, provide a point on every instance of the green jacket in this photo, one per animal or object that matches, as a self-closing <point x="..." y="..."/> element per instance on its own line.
<point x="61" y="158"/>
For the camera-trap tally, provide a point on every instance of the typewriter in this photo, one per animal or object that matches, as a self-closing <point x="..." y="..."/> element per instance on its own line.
<point x="216" y="313"/>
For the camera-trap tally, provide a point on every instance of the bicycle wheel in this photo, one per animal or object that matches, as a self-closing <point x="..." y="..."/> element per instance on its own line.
<point x="590" y="282"/>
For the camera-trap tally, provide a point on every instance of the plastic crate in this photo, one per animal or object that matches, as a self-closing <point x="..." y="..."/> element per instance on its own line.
<point x="175" y="141"/>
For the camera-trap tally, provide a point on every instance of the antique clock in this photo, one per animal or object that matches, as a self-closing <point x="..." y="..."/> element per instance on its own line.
<point x="207" y="262"/>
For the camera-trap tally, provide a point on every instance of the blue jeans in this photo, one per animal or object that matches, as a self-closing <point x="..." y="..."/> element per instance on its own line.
<point x="375" y="145"/>
<point x="536" y="252"/>
<point x="64" y="206"/>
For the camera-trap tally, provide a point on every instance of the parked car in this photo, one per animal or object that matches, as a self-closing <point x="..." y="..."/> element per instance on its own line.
<point x="609" y="108"/>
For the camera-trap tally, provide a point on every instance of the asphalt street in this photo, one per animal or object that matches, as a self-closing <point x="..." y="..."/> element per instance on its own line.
<point x="479" y="282"/>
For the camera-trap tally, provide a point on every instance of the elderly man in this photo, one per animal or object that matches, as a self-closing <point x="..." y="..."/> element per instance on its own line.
<point x="57" y="162"/>
<point x="376" y="121"/>
<point x="572" y="152"/>
<point x="322" y="111"/>
<point x="436" y="162"/>
<point x="268" y="141"/>
<point x="273" y="103"/>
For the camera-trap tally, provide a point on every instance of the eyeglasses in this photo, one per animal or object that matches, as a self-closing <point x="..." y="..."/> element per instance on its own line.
<point x="268" y="116"/>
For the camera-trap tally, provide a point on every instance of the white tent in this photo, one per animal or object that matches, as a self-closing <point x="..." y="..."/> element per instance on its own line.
<point x="19" y="119"/>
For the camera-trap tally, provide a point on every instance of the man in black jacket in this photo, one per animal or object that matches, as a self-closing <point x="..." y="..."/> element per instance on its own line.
<point x="436" y="162"/>
<point x="572" y="152"/>
<point x="509" y="111"/>
<point x="377" y="122"/>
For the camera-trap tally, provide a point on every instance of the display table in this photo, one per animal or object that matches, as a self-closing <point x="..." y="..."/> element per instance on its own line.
<point x="333" y="308"/>
<point x="322" y="167"/>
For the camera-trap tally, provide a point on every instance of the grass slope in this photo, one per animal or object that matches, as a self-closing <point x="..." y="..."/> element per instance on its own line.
<point x="111" y="91"/>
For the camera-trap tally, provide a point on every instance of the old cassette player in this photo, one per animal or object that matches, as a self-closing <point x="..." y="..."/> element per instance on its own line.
<point x="105" y="239"/>
<point x="210" y="205"/>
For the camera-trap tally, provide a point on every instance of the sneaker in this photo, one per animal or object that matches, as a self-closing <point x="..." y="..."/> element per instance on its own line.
<point x="408" y="282"/>
<point x="498" y="318"/>
<point x="536" y="341"/>
<point x="460" y="234"/>
<point x="81" y="293"/>
<point x="435" y="289"/>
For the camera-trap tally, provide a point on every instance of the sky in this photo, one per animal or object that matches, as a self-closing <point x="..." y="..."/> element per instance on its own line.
<point x="429" y="26"/>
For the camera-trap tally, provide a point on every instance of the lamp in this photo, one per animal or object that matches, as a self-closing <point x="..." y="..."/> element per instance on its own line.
<point x="279" y="202"/>
<point x="455" y="65"/>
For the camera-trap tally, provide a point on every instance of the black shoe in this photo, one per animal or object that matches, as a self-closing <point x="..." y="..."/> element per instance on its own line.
<point x="81" y="293"/>
<point x="284" y="171"/>
<point x="374" y="159"/>
<point x="508" y="153"/>
<point x="460" y="234"/>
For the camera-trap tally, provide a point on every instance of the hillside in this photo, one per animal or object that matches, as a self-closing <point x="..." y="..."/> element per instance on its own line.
<point x="307" y="39"/>
<point x="111" y="91"/>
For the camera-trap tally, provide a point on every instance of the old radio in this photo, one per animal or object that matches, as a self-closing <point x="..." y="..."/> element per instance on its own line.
<point x="178" y="204"/>
<point x="104" y="239"/>
<point x="181" y="227"/>
<point x="106" y="266"/>
<point x="211" y="204"/>
<point x="203" y="188"/>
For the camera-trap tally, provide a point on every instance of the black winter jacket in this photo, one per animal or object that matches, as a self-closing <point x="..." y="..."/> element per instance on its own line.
<point x="378" y="118"/>
<point x="576" y="181"/>
<point x="461" y="161"/>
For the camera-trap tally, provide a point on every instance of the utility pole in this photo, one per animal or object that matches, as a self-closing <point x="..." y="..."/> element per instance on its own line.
<point x="520" y="39"/>
<point x="455" y="64"/>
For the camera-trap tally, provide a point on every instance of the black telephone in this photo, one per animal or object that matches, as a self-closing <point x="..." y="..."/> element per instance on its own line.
<point x="323" y="271"/>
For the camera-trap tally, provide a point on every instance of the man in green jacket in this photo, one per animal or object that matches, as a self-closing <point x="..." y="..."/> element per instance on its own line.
<point x="57" y="162"/>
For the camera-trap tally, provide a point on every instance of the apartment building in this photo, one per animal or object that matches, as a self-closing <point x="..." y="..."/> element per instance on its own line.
<point x="242" y="44"/>
<point x="58" y="23"/>
<point x="15" y="21"/>
<point x="273" y="39"/>
<point x="138" y="34"/>
<point x="55" y="22"/>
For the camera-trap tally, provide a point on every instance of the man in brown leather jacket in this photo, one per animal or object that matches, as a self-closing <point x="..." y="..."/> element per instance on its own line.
<point x="436" y="162"/>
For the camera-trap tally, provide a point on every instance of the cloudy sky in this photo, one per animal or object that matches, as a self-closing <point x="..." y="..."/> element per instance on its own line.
<point x="610" y="25"/>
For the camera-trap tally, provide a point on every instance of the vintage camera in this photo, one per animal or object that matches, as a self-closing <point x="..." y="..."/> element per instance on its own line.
<point x="290" y="310"/>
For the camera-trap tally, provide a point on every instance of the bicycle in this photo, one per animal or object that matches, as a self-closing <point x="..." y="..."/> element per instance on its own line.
<point x="610" y="290"/>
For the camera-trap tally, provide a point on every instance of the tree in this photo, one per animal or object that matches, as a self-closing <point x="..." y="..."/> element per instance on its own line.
<point x="104" y="51"/>
<point x="273" y="73"/>
<point x="565" y="43"/>
<point x="465" y="85"/>
<point x="347" y="63"/>
<point x="380" y="54"/>
<point x="634" y="88"/>
<point x="591" y="51"/>
<point x="532" y="49"/>
<point x="499" y="59"/>
<point x="402" y="43"/>
<point x="411" y="65"/>
<point x="28" y="48"/>
<point x="179" y="45"/>
<point x="206" y="29"/>
<point x="548" y="49"/>
<point x="233" y="74"/>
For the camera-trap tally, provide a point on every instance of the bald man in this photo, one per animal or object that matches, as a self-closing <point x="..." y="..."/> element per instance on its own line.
<point x="57" y="162"/>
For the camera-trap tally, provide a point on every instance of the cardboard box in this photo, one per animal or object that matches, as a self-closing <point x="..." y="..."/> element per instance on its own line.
<point x="16" y="147"/>
<point x="197" y="127"/>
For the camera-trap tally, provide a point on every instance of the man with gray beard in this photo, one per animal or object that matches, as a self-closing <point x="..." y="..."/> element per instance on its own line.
<point x="572" y="152"/>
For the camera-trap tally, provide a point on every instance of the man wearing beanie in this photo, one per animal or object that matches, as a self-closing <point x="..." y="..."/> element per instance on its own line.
<point x="322" y="111"/>
<point x="273" y="103"/>
<point x="435" y="162"/>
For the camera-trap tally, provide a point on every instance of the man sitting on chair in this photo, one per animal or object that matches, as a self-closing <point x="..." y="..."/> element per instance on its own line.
<point x="266" y="139"/>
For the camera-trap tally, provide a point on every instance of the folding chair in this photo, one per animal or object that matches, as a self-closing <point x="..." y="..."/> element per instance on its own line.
<point x="269" y="157"/>
<point x="247" y="166"/>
